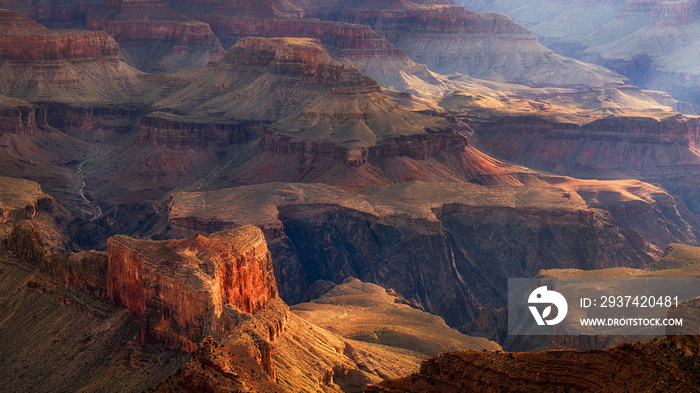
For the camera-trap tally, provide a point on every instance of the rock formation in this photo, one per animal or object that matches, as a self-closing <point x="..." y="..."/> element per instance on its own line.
<point x="431" y="242"/>
<point x="155" y="38"/>
<point x="369" y="313"/>
<point x="77" y="340"/>
<point x="19" y="117"/>
<point x="92" y="69"/>
<point x="655" y="150"/>
<point x="162" y="129"/>
<point x="666" y="364"/>
<point x="652" y="42"/>
<point x="185" y="290"/>
<point x="450" y="39"/>
<point x="22" y="200"/>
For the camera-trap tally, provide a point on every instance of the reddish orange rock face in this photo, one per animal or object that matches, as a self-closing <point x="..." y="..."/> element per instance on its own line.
<point x="185" y="290"/>
<point x="22" y="39"/>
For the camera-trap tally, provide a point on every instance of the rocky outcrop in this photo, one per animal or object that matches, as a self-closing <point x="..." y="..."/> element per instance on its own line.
<point x="673" y="13"/>
<point x="161" y="129"/>
<point x="155" y="38"/>
<point x="341" y="39"/>
<point x="371" y="53"/>
<point x="657" y="151"/>
<point x="92" y="123"/>
<point x="666" y="364"/>
<point x="85" y="271"/>
<point x="296" y="58"/>
<point x="449" y="39"/>
<point x="328" y="101"/>
<point x="446" y="246"/>
<point x="39" y="64"/>
<point x="19" y="117"/>
<point x="418" y="147"/>
<point x="23" y="40"/>
<point x="184" y="290"/>
<point x="22" y="199"/>
<point x="78" y="341"/>
<point x="26" y="243"/>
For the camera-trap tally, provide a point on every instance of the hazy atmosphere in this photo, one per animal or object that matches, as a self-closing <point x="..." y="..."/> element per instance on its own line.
<point x="349" y="196"/>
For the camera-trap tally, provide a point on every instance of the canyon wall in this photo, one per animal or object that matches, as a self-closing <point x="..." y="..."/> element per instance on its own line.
<point x="19" y="117"/>
<point x="657" y="151"/>
<point x="184" y="290"/>
<point x="666" y="364"/>
<point x="162" y="130"/>
<point x="154" y="37"/>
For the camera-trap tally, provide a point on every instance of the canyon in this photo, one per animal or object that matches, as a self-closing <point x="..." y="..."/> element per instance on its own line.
<point x="205" y="195"/>
<point x="650" y="42"/>
<point x="214" y="297"/>
<point x="155" y="38"/>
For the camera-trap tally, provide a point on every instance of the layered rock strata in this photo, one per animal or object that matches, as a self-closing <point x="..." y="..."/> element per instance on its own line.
<point x="22" y="199"/>
<point x="451" y="39"/>
<point x="155" y="38"/>
<point x="162" y="129"/>
<point x="40" y="64"/>
<point x="661" y="151"/>
<point x="184" y="290"/>
<point x="390" y="235"/>
<point x="666" y="364"/>
<point x="19" y="117"/>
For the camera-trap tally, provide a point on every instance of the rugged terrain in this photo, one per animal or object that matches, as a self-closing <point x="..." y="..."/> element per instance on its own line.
<point x="669" y="364"/>
<point x="155" y="38"/>
<point x="213" y="296"/>
<point x="650" y="42"/>
<point x="381" y="167"/>
<point x="411" y="236"/>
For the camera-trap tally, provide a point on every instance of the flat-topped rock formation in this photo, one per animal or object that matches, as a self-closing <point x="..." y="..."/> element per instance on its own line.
<point x="155" y="38"/>
<point x="369" y="313"/>
<point x="388" y="235"/>
<point x="92" y="70"/>
<point x="180" y="290"/>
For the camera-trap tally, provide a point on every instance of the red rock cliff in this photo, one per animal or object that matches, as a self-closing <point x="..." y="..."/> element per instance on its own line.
<point x="184" y="290"/>
<point x="149" y="19"/>
<point x="24" y="40"/>
<point x="19" y="117"/>
<point x="673" y="13"/>
<point x="177" y="133"/>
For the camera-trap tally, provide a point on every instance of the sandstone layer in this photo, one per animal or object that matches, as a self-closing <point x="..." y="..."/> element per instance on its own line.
<point x="390" y="235"/>
<point x="73" y="66"/>
<point x="54" y="338"/>
<point x="660" y="151"/>
<point x="155" y="38"/>
<point x="182" y="290"/>
<point x="22" y="199"/>
<point x="20" y="117"/>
